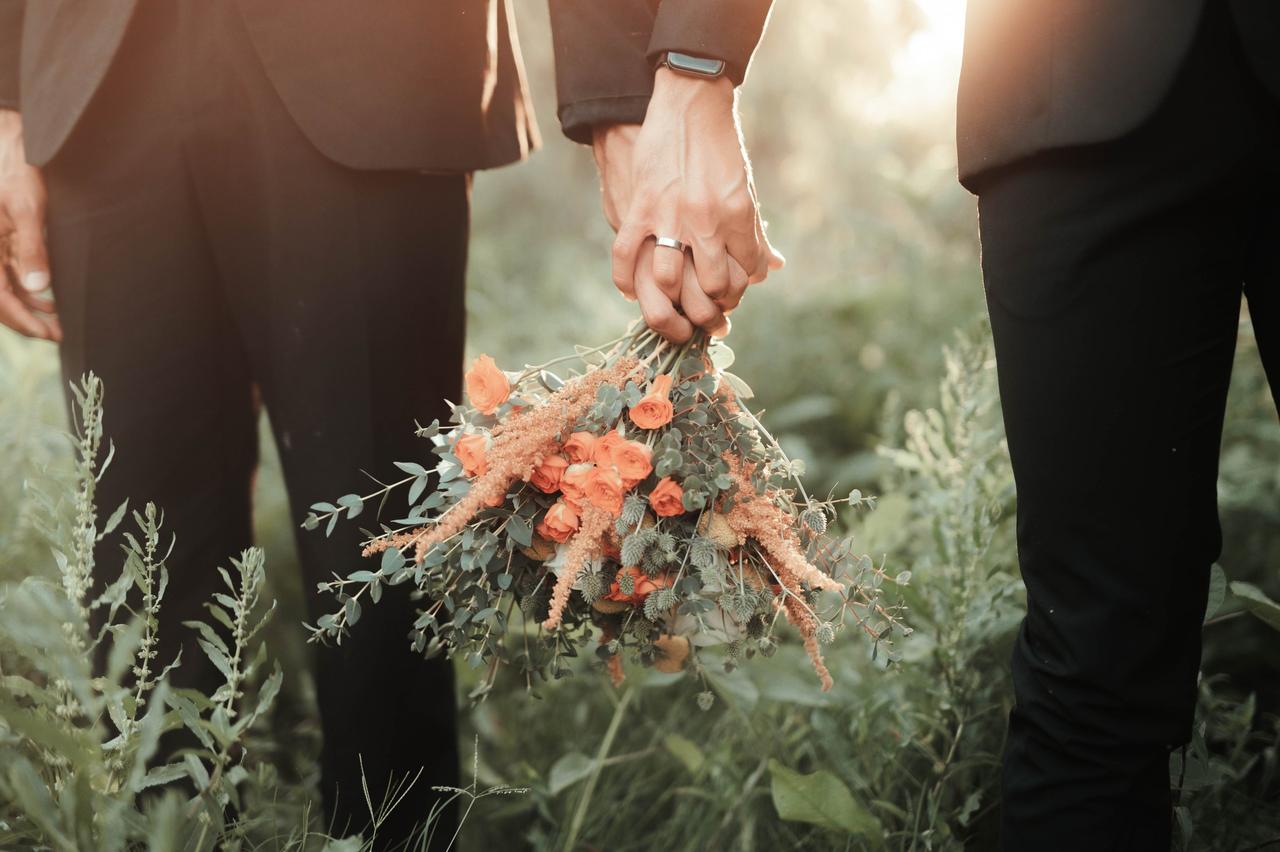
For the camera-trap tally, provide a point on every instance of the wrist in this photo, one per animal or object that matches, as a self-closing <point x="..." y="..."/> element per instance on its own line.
<point x="684" y="90"/>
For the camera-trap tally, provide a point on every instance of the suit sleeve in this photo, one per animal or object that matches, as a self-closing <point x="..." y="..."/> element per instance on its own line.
<point x="606" y="50"/>
<point x="603" y="75"/>
<point x="10" y="51"/>
<point x="715" y="29"/>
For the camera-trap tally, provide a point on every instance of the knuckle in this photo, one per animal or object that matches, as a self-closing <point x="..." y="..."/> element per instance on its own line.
<point x="739" y="205"/>
<point x="703" y="314"/>
<point x="716" y="287"/>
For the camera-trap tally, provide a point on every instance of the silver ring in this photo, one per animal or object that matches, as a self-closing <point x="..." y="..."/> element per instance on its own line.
<point x="671" y="242"/>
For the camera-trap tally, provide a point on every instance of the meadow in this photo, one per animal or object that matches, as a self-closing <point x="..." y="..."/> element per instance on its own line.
<point x="870" y="357"/>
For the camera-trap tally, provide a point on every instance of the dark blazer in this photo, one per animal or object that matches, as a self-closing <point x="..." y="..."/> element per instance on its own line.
<point x="423" y="84"/>
<point x="1037" y="74"/>
<point x="1044" y="74"/>
<point x="419" y="84"/>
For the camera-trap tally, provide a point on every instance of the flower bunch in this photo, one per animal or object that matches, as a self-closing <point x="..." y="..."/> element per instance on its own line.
<point x="638" y="503"/>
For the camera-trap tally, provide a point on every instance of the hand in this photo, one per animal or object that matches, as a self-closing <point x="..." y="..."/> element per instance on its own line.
<point x="670" y="310"/>
<point x="689" y="179"/>
<point x="24" y="303"/>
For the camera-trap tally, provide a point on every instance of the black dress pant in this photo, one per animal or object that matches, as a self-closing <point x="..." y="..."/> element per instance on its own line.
<point x="205" y="255"/>
<point x="1114" y="274"/>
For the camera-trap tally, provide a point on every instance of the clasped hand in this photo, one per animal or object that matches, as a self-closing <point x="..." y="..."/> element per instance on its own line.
<point x="683" y="174"/>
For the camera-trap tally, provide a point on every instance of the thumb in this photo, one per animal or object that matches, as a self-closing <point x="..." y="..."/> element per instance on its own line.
<point x="30" y="259"/>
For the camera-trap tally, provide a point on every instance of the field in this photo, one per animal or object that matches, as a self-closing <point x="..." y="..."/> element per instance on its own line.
<point x="870" y="356"/>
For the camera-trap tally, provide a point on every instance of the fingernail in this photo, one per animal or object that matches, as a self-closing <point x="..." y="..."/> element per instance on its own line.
<point x="34" y="282"/>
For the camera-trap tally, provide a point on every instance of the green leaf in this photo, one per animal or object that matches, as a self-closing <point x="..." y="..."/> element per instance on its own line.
<point x="415" y="490"/>
<point x="114" y="520"/>
<point x="1257" y="602"/>
<point x="158" y="775"/>
<point x="721" y="355"/>
<point x="820" y="799"/>
<point x="1217" y="591"/>
<point x="521" y="531"/>
<point x="392" y="560"/>
<point x="567" y="771"/>
<point x="412" y="468"/>
<point x="741" y="388"/>
<point x="686" y="751"/>
<point x="550" y="380"/>
<point x="352" y="503"/>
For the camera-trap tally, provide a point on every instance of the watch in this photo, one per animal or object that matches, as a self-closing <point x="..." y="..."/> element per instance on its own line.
<point x="694" y="66"/>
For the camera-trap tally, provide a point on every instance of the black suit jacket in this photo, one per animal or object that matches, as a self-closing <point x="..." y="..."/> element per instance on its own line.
<point x="1044" y="74"/>
<point x="382" y="84"/>
<point x="1037" y="74"/>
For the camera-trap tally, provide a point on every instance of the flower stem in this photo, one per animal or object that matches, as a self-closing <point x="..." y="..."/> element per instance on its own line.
<point x="602" y="753"/>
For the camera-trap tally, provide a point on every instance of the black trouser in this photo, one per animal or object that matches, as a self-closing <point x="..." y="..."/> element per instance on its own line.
<point x="202" y="248"/>
<point x="1114" y="274"/>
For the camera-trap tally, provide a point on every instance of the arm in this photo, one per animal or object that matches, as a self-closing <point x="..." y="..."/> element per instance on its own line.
<point x="684" y="173"/>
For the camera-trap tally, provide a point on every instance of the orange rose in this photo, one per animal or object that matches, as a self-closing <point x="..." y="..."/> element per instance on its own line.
<point x="654" y="409"/>
<point x="560" y="522"/>
<point x="632" y="461"/>
<point x="642" y="585"/>
<point x="573" y="482"/>
<point x="602" y="452"/>
<point x="605" y="489"/>
<point x="580" y="446"/>
<point x="470" y="451"/>
<point x="665" y="498"/>
<point x="487" y="386"/>
<point x="546" y="476"/>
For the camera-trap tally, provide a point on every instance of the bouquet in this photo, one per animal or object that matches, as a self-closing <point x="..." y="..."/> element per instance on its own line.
<point x="637" y="501"/>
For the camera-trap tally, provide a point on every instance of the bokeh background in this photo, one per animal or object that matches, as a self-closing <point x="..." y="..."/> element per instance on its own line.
<point x="869" y="354"/>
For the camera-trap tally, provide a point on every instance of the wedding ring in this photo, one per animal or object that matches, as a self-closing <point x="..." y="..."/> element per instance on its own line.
<point x="671" y="242"/>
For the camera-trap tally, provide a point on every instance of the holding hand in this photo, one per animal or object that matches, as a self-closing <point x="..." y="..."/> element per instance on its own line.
<point x="683" y="177"/>
<point x="24" y="305"/>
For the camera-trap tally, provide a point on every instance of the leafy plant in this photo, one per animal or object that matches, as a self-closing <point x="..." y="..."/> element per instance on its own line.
<point x="80" y="756"/>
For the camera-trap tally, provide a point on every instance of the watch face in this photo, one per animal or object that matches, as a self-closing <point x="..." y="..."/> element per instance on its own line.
<point x="695" y="64"/>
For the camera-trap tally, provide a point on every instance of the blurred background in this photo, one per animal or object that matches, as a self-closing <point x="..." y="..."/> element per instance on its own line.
<point x="870" y="357"/>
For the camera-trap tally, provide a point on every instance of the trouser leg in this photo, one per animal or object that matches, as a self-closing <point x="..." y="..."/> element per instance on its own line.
<point x="349" y="289"/>
<point x="1113" y="281"/>
<point x="142" y="308"/>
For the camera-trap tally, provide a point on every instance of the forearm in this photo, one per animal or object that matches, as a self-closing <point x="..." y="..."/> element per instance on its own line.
<point x="11" y="13"/>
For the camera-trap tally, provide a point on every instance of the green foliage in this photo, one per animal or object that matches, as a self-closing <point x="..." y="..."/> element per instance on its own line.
<point x="82" y="765"/>
<point x="903" y="759"/>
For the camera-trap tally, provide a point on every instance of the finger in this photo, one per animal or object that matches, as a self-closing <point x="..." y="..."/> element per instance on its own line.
<point x="668" y="270"/>
<point x="746" y="248"/>
<point x="40" y="303"/>
<point x="773" y="258"/>
<point x="712" y="266"/>
<point x="697" y="306"/>
<point x="738" y="281"/>
<point x="15" y="315"/>
<point x="30" y="261"/>
<point x="658" y="309"/>
<point x="626" y="248"/>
